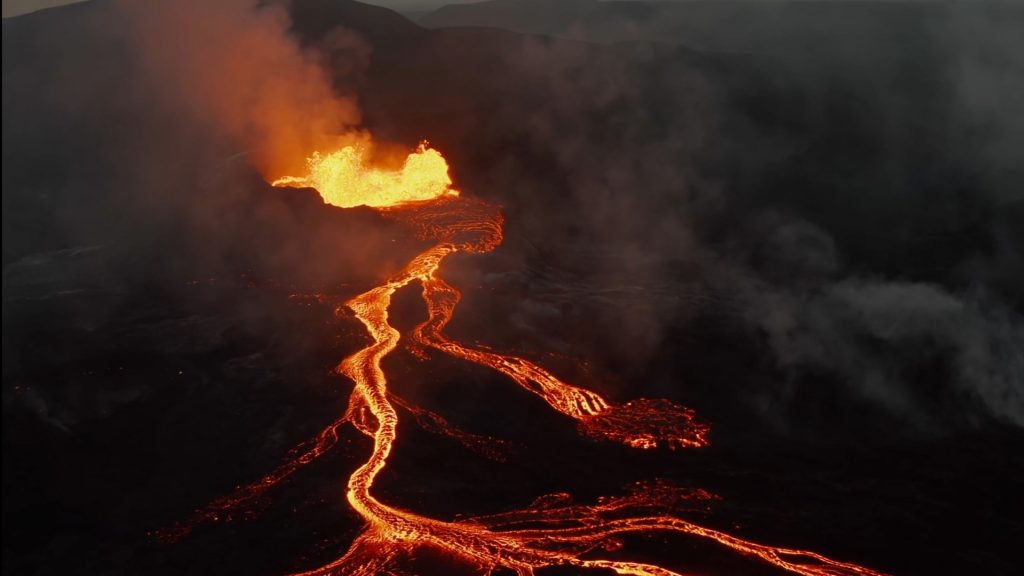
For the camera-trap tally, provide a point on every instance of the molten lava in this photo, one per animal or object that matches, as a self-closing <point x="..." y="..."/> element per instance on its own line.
<point x="553" y="531"/>
<point x="344" y="178"/>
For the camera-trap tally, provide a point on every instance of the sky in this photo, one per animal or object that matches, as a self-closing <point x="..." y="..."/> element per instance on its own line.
<point x="17" y="7"/>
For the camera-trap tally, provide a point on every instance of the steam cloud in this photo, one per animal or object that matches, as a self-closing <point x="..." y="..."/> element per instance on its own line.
<point x="928" y="357"/>
<point x="231" y="65"/>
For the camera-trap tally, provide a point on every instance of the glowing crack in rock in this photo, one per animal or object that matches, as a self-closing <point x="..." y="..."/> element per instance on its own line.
<point x="552" y="532"/>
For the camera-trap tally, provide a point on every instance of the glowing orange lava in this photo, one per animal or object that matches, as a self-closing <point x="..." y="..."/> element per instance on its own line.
<point x="344" y="178"/>
<point x="552" y="532"/>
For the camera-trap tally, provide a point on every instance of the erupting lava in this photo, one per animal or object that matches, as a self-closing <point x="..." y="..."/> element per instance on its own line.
<point x="345" y="179"/>
<point x="552" y="532"/>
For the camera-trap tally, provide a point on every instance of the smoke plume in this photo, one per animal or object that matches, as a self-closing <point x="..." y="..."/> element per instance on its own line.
<point x="232" y="66"/>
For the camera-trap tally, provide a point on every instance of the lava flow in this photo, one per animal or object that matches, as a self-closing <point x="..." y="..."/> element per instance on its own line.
<point x="552" y="532"/>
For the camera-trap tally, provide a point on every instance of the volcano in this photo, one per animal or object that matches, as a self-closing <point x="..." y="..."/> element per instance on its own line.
<point x="605" y="321"/>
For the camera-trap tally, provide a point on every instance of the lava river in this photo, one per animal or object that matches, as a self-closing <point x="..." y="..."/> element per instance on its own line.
<point x="553" y="533"/>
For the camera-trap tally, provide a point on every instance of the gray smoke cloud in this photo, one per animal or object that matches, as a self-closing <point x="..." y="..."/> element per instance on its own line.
<point x="854" y="207"/>
<point x="921" y="353"/>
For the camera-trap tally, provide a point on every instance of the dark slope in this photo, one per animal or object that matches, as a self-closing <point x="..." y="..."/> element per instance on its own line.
<point x="726" y="25"/>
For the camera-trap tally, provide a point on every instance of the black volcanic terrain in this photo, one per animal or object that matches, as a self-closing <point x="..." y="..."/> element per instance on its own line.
<point x="810" y="232"/>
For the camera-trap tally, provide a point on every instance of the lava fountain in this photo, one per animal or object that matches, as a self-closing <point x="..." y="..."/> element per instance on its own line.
<point x="344" y="178"/>
<point x="552" y="532"/>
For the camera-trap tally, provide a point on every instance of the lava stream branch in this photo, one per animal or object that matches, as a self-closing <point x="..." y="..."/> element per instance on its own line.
<point x="634" y="424"/>
<point x="247" y="495"/>
<point x="441" y="299"/>
<point x="789" y="559"/>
